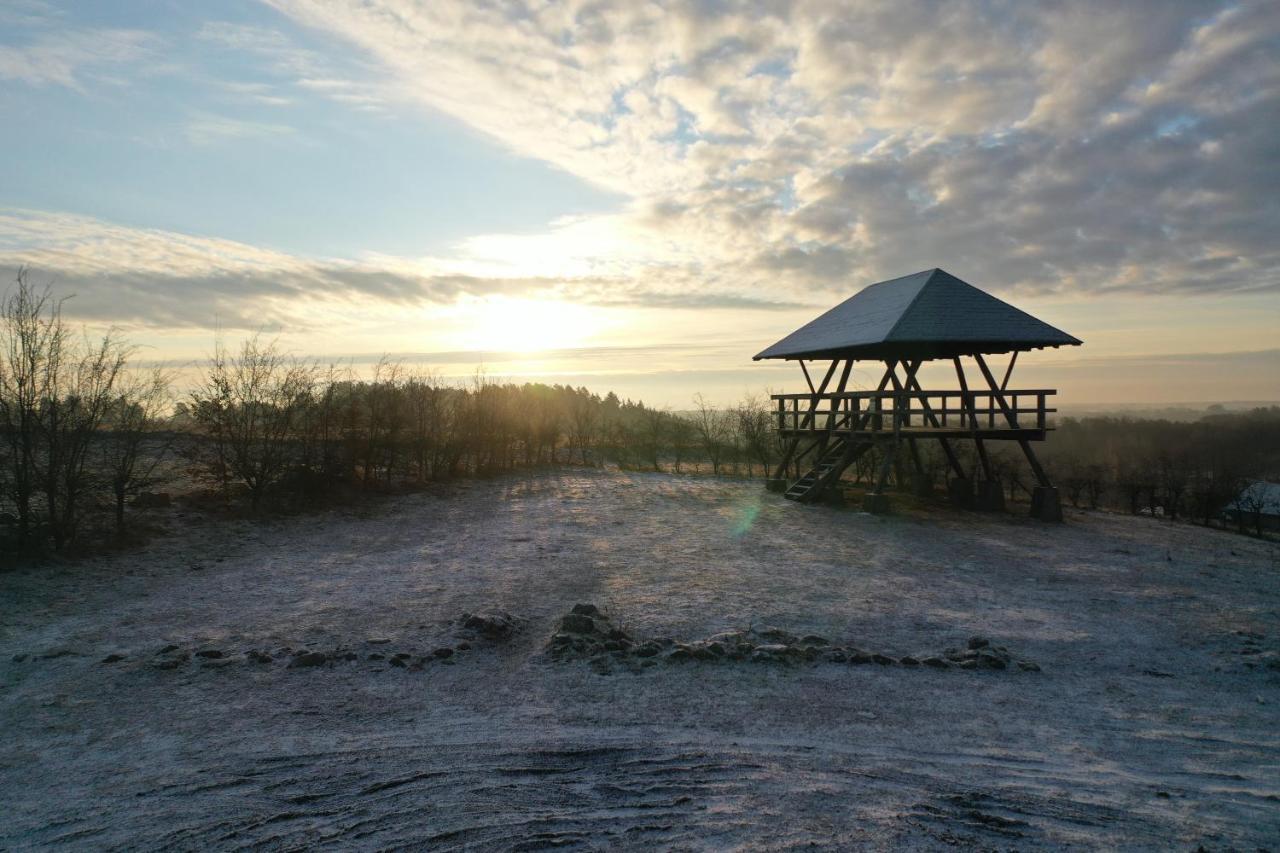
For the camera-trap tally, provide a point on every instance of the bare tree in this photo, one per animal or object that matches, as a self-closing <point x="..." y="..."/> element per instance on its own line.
<point x="250" y="403"/>
<point x="72" y="417"/>
<point x="32" y="339"/>
<point x="135" y="415"/>
<point x="712" y="429"/>
<point x="755" y="426"/>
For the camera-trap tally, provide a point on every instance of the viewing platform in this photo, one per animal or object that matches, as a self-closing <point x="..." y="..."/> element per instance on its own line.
<point x="1021" y="414"/>
<point x="903" y="323"/>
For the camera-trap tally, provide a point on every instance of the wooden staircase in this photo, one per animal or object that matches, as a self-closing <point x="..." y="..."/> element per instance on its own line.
<point x="838" y="456"/>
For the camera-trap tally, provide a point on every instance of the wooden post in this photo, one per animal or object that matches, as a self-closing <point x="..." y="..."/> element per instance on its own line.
<point x="968" y="405"/>
<point x="913" y="384"/>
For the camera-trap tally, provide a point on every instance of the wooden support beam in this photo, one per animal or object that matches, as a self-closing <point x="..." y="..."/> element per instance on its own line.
<point x="840" y="386"/>
<point x="997" y="392"/>
<point x="1041" y="477"/>
<point x="808" y="380"/>
<point x="913" y="384"/>
<point x="889" y="450"/>
<point x="966" y="400"/>
<point x="807" y="421"/>
<point x="1009" y="371"/>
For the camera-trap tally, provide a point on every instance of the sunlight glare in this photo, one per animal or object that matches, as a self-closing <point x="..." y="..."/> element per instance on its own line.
<point x="526" y="325"/>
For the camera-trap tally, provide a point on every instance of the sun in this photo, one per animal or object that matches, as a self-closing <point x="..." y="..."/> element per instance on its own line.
<point x="501" y="324"/>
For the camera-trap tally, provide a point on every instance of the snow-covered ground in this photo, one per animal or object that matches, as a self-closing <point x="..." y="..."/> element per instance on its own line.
<point x="1154" y="721"/>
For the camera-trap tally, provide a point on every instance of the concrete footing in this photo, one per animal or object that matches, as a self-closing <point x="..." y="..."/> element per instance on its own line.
<point x="960" y="492"/>
<point x="875" y="503"/>
<point x="989" y="495"/>
<point x="775" y="485"/>
<point x="1045" y="504"/>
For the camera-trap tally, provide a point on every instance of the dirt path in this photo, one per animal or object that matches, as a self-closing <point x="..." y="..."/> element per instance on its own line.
<point x="1152" y="723"/>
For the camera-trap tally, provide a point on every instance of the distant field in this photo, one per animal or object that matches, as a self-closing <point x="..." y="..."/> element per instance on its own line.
<point x="1153" y="721"/>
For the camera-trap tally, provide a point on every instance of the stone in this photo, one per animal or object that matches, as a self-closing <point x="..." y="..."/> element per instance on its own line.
<point x="378" y="641"/>
<point x="908" y="660"/>
<point x="216" y="663"/>
<point x="258" y="657"/>
<point x="170" y="663"/>
<point x="883" y="660"/>
<point x="586" y="610"/>
<point x="989" y="661"/>
<point x="464" y="647"/>
<point x="776" y="635"/>
<point x="578" y="623"/>
<point x="561" y="639"/>
<point x="679" y="654"/>
<point x="969" y="664"/>
<point x="618" y="634"/>
<point x="1028" y="666"/>
<point x="376" y="656"/>
<point x="113" y="658"/>
<point x="978" y="642"/>
<point x="815" y="640"/>
<point x="702" y="653"/>
<point x="836" y="656"/>
<point x="442" y="653"/>
<point x="648" y="650"/>
<point x="167" y="649"/>
<point x="859" y="657"/>
<point x="19" y="658"/>
<point x="493" y="626"/>
<point x="308" y="659"/>
<point x="398" y="661"/>
<point x="936" y="663"/>
<point x="211" y="654"/>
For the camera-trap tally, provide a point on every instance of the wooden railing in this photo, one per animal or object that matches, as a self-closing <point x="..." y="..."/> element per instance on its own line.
<point x="875" y="411"/>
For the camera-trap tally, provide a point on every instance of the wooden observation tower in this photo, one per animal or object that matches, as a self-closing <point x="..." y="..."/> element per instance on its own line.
<point x="905" y="322"/>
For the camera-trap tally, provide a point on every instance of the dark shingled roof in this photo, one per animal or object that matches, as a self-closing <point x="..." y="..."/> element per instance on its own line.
<point x="930" y="314"/>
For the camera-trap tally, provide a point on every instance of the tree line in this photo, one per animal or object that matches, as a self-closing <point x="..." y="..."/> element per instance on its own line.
<point x="83" y="431"/>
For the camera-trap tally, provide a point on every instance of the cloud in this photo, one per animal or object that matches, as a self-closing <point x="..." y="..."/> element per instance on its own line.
<point x="66" y="58"/>
<point x="157" y="278"/>
<point x="1078" y="148"/>
<point x="209" y="129"/>
<point x="774" y="153"/>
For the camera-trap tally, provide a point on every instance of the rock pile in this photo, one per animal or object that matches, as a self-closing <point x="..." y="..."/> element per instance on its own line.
<point x="587" y="633"/>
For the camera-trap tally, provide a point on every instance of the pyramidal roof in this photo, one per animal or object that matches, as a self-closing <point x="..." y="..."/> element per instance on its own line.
<point x="930" y="314"/>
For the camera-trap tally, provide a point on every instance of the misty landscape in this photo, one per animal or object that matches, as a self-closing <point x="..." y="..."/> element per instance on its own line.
<point x="674" y="426"/>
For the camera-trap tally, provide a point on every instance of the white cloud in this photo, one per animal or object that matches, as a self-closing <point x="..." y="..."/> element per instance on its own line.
<point x="814" y="144"/>
<point x="66" y="58"/>
<point x="779" y="151"/>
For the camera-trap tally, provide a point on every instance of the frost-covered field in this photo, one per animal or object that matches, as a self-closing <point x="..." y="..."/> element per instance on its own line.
<point x="1154" y="721"/>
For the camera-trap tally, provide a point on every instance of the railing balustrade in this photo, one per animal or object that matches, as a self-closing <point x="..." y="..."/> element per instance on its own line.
<point x="877" y="411"/>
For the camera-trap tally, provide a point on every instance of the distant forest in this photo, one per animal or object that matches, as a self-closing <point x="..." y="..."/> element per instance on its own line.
<point x="85" y="435"/>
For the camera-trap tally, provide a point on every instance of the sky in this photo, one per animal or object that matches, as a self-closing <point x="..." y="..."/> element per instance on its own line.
<point x="640" y="196"/>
